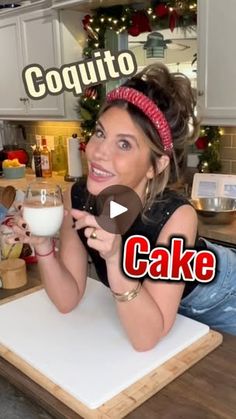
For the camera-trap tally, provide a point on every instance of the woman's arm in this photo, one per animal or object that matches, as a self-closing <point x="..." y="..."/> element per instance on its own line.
<point x="150" y="315"/>
<point x="63" y="276"/>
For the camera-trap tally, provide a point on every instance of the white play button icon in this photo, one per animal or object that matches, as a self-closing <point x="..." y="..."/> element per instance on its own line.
<point x="116" y="209"/>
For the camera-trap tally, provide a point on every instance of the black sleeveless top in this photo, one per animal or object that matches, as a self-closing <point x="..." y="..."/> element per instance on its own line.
<point x="157" y="216"/>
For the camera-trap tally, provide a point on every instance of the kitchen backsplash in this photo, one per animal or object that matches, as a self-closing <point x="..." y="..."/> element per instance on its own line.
<point x="47" y="128"/>
<point x="228" y="150"/>
<point x="55" y="128"/>
<point x="66" y="129"/>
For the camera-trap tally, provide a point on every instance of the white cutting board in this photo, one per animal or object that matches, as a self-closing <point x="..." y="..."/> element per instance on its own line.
<point x="86" y="351"/>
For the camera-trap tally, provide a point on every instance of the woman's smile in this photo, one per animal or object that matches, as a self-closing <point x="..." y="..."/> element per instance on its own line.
<point x="98" y="173"/>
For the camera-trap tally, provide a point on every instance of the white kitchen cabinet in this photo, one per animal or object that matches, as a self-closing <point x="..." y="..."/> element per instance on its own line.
<point x="46" y="37"/>
<point x="216" y="70"/>
<point x="41" y="44"/>
<point x="11" y="87"/>
<point x="26" y="39"/>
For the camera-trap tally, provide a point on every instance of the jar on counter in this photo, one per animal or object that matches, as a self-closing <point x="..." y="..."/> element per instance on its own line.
<point x="8" y="251"/>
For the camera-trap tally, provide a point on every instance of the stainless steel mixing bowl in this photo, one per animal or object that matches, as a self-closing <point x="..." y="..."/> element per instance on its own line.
<point x="216" y="210"/>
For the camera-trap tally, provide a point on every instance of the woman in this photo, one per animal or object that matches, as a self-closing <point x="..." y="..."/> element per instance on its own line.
<point x="139" y="142"/>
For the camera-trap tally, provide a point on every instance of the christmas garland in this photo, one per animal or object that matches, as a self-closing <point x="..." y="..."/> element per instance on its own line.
<point x="161" y="15"/>
<point x="208" y="144"/>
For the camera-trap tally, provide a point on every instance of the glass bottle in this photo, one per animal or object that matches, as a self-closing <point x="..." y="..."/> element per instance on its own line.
<point x="46" y="161"/>
<point x="59" y="160"/>
<point x="37" y="159"/>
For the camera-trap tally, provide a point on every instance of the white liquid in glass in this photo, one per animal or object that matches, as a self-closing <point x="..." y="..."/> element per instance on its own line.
<point x="43" y="220"/>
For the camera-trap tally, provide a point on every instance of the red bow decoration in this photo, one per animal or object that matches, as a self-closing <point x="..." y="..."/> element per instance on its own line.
<point x="87" y="27"/>
<point x="86" y="21"/>
<point x="140" y="23"/>
<point x="173" y="20"/>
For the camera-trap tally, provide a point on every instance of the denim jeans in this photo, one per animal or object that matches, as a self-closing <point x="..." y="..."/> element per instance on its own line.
<point x="3" y="212"/>
<point x="215" y="303"/>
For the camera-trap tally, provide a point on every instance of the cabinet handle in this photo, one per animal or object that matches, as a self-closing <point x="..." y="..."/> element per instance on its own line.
<point x="23" y="99"/>
<point x="200" y="92"/>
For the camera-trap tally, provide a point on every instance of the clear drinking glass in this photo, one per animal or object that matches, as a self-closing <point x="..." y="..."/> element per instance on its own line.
<point x="43" y="209"/>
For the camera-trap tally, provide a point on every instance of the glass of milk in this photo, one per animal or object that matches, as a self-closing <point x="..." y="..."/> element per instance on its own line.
<point x="43" y="209"/>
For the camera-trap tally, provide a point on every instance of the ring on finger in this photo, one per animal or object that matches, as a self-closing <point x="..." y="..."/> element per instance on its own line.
<point x="93" y="235"/>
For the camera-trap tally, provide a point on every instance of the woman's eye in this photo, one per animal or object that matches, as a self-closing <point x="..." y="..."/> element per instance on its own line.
<point x="124" y="145"/>
<point x="98" y="132"/>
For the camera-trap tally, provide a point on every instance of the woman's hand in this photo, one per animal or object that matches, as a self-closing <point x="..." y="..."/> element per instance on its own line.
<point x="21" y="232"/>
<point x="107" y="244"/>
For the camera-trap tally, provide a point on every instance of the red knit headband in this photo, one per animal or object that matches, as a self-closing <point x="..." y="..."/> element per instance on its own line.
<point x="149" y="108"/>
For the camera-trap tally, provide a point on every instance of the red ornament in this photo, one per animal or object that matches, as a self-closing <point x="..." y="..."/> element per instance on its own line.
<point x="173" y="20"/>
<point x="134" y="31"/>
<point x="161" y="10"/>
<point x="90" y="92"/>
<point x="201" y="143"/>
<point x="140" y="23"/>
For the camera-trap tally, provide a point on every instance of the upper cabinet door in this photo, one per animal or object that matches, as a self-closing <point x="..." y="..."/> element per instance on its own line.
<point x="216" y="62"/>
<point x="12" y="95"/>
<point x="41" y="45"/>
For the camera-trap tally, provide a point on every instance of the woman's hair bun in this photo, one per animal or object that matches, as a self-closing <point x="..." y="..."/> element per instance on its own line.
<point x="173" y="94"/>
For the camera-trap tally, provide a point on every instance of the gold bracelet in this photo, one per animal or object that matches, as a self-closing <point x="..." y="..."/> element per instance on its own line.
<point x="128" y="295"/>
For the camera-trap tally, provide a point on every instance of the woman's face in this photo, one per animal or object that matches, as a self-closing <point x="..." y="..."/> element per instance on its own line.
<point x="117" y="154"/>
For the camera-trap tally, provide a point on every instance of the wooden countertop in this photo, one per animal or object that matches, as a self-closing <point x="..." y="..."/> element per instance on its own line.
<point x="223" y="232"/>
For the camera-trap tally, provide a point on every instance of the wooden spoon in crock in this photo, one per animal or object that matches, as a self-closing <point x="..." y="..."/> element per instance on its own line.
<point x="8" y="196"/>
